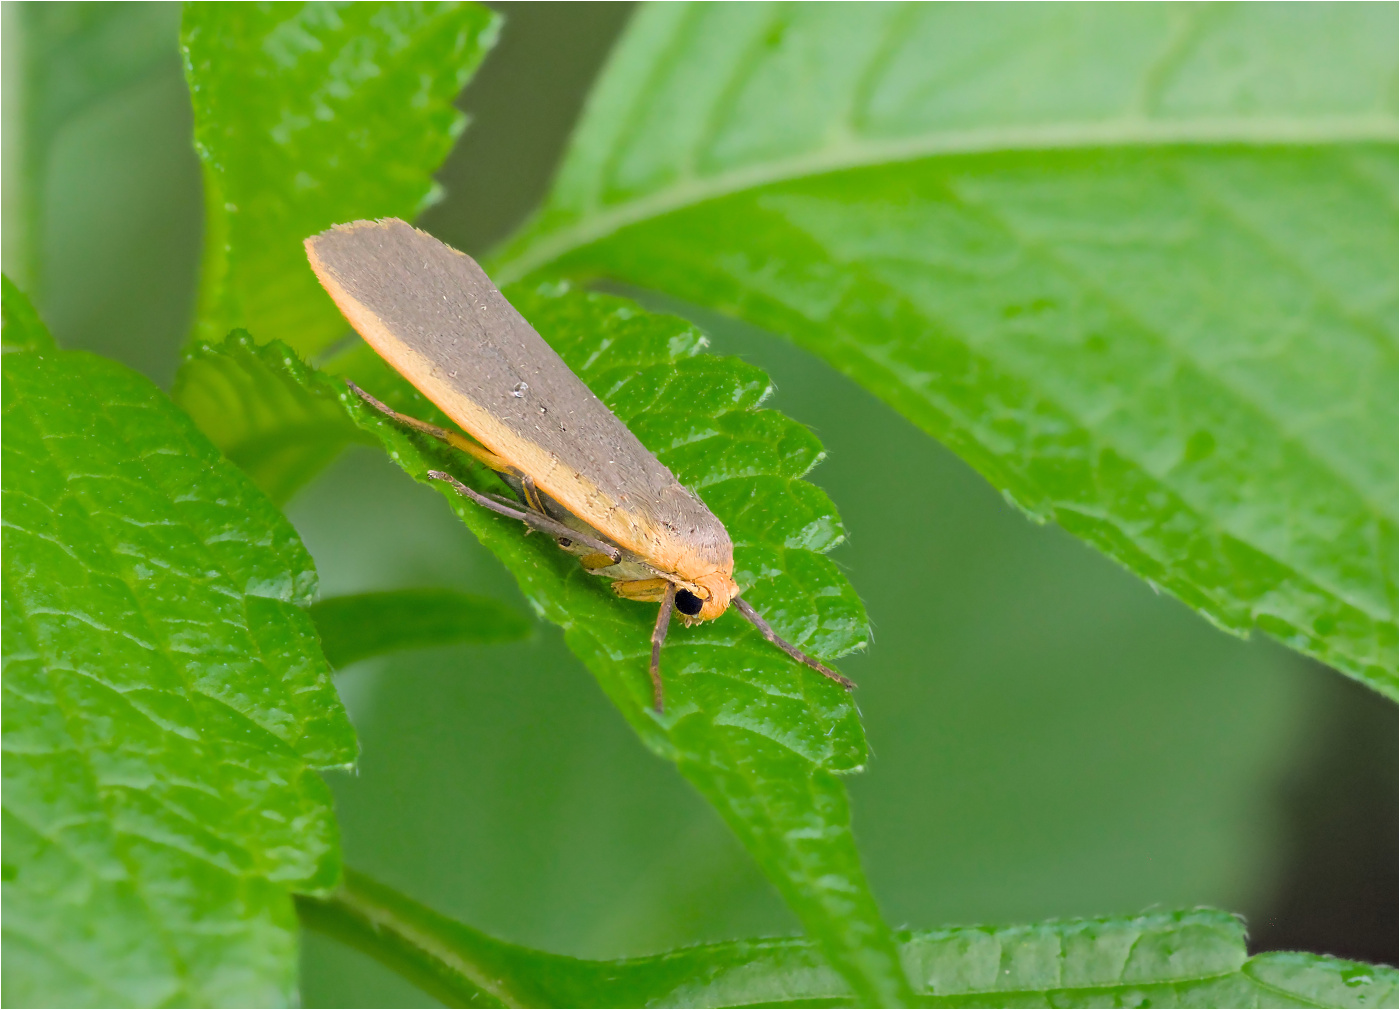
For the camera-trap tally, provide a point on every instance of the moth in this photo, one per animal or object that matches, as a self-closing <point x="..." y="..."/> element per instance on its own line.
<point x="578" y="474"/>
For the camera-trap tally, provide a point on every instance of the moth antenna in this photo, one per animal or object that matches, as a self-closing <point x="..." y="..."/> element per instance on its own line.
<point x="658" y="636"/>
<point x="764" y="629"/>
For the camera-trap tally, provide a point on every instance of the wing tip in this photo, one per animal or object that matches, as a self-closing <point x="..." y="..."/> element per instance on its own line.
<point x="314" y="244"/>
<point x="345" y="229"/>
<point x="350" y="227"/>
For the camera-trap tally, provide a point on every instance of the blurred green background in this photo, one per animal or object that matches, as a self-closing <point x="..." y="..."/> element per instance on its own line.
<point x="1049" y="737"/>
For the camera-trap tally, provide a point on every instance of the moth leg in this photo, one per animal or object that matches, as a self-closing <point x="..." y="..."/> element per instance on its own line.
<point x="470" y="446"/>
<point x="658" y="636"/>
<point x="531" y="494"/>
<point x="542" y="523"/>
<point x="500" y="499"/>
<point x="591" y="562"/>
<point x="643" y="590"/>
<point x="754" y="618"/>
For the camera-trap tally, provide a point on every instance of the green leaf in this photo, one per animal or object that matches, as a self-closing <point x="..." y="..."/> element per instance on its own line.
<point x="1189" y="958"/>
<point x="1312" y="980"/>
<point x="23" y="329"/>
<point x="1135" y="263"/>
<point x="357" y="627"/>
<point x="762" y="738"/>
<point x="280" y="433"/>
<point x="307" y="115"/>
<point x="165" y="705"/>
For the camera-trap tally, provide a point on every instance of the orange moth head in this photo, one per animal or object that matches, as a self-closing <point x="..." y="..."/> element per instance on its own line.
<point x="721" y="589"/>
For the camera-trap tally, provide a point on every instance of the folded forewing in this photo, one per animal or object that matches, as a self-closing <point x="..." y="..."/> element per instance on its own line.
<point x="435" y="316"/>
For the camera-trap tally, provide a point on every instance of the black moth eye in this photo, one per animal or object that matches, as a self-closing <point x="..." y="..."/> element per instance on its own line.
<point x="688" y="603"/>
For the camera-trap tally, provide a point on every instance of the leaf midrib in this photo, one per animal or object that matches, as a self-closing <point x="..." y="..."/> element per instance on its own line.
<point x="519" y="258"/>
<point x="794" y="944"/>
<point x="1183" y="980"/>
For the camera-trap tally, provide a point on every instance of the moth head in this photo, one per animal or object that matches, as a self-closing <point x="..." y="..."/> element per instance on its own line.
<point x="694" y="609"/>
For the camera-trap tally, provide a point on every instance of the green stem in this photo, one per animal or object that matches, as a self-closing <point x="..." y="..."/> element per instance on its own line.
<point x="464" y="967"/>
<point x="1185" y="958"/>
<point x="452" y="962"/>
